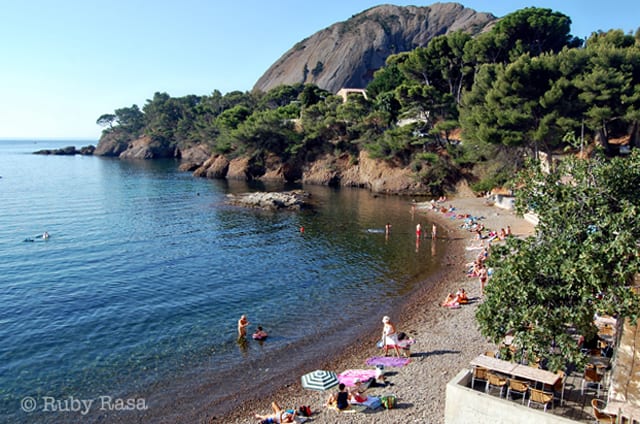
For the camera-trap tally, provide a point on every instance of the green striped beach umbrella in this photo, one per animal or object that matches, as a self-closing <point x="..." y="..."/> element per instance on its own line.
<point x="320" y="380"/>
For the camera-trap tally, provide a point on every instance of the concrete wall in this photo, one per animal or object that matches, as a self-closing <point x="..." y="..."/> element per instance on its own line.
<point x="464" y="405"/>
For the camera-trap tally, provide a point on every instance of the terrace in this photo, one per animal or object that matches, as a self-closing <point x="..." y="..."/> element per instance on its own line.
<point x="614" y="383"/>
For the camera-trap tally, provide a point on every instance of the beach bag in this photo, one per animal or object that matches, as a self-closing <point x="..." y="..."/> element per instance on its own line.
<point x="388" y="401"/>
<point x="304" y="411"/>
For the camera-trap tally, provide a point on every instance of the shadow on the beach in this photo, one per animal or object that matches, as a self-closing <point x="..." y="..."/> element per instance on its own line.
<point x="433" y="353"/>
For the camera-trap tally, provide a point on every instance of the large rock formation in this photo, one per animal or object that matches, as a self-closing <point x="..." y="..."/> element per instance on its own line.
<point x="374" y="174"/>
<point x="346" y="54"/>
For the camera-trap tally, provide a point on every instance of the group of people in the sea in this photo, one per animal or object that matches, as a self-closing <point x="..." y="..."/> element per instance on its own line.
<point x="243" y="324"/>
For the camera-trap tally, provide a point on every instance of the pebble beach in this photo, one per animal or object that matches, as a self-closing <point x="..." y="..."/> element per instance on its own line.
<point x="446" y="339"/>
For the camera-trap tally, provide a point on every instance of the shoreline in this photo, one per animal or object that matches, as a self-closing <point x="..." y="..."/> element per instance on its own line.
<point x="447" y="339"/>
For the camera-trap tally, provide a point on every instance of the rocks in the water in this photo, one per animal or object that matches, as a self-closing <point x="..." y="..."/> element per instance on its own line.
<point x="288" y="200"/>
<point x="68" y="151"/>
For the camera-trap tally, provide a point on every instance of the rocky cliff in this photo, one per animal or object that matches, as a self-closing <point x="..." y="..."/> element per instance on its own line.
<point x="365" y="172"/>
<point x="346" y="54"/>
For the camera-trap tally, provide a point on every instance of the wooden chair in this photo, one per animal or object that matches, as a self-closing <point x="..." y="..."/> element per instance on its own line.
<point x="558" y="388"/>
<point x="540" y="397"/>
<point x="479" y="374"/>
<point x="518" y="386"/>
<point x="591" y="378"/>
<point x="598" y="413"/>
<point x="494" y="381"/>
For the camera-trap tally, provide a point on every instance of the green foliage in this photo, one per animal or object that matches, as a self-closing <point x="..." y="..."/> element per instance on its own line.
<point x="385" y="80"/>
<point x="130" y="120"/>
<point x="434" y="171"/>
<point x="280" y="96"/>
<point x="531" y="31"/>
<point x="581" y="261"/>
<point x="522" y="85"/>
<point x="269" y="130"/>
<point x="394" y="144"/>
<point x="106" y="120"/>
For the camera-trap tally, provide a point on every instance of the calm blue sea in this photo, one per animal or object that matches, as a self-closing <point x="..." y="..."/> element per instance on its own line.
<point x="136" y="294"/>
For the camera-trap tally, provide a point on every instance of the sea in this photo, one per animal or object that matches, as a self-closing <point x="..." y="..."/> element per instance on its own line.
<point x="128" y="311"/>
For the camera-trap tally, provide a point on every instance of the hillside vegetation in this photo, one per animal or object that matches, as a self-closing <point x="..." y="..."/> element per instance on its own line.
<point x="460" y="107"/>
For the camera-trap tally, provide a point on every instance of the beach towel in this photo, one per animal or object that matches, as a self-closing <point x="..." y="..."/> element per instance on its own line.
<point x="348" y="377"/>
<point x="388" y="361"/>
<point x="352" y="409"/>
<point x="372" y="402"/>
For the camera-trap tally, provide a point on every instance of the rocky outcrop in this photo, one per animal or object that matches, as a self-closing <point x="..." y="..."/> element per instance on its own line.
<point x="364" y="172"/>
<point x="346" y="54"/>
<point x="215" y="167"/>
<point x="146" y="148"/>
<point x="68" y="151"/>
<point x="376" y="175"/>
<point x="112" y="144"/>
<point x="194" y="157"/>
<point x="290" y="200"/>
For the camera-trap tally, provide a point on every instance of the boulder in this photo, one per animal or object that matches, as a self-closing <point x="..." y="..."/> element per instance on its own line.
<point x="147" y="148"/>
<point x="289" y="200"/>
<point x="196" y="155"/>
<point x="218" y="168"/>
<point x="112" y="144"/>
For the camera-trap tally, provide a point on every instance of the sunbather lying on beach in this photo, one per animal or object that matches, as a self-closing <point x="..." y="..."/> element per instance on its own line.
<point x="451" y="301"/>
<point x="278" y="416"/>
<point x="357" y="393"/>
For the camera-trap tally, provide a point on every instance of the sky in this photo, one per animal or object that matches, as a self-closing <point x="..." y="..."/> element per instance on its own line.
<point x="64" y="63"/>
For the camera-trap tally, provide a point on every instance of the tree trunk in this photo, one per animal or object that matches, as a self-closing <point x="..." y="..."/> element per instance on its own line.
<point x="633" y="135"/>
<point x="603" y="140"/>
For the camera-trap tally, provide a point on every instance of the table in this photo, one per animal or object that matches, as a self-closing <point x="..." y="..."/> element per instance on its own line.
<point x="536" y="374"/>
<point x="494" y="364"/>
<point x="516" y="370"/>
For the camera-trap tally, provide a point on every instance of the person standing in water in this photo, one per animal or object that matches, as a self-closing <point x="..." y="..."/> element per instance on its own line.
<point x="434" y="230"/>
<point x="243" y="323"/>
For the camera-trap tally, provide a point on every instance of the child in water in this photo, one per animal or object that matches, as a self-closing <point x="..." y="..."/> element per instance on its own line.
<point x="260" y="334"/>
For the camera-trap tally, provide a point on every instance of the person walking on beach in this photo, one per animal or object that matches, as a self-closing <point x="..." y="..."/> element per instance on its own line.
<point x="434" y="231"/>
<point x="243" y="323"/>
<point x="418" y="230"/>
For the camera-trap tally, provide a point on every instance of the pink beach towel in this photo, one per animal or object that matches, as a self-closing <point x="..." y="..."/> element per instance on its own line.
<point x="388" y="361"/>
<point x="348" y="377"/>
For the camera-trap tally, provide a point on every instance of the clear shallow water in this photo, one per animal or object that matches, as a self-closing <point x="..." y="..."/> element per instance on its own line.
<point x="138" y="290"/>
